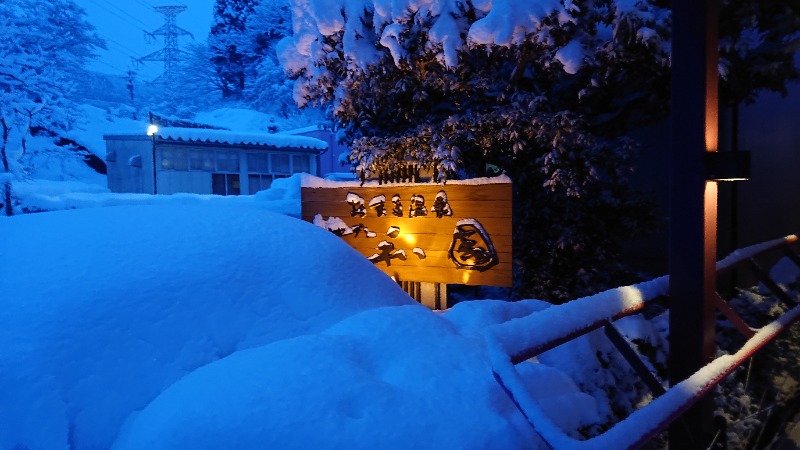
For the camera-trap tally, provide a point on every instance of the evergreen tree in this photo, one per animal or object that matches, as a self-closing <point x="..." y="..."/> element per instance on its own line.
<point x="45" y="47"/>
<point x="230" y="52"/>
<point x="523" y="104"/>
<point x="542" y="90"/>
<point x="269" y="89"/>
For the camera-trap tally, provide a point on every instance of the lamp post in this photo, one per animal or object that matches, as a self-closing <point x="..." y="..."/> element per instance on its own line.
<point x="693" y="207"/>
<point x="151" y="131"/>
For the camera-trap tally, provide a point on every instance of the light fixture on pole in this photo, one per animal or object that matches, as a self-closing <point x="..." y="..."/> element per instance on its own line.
<point x="727" y="166"/>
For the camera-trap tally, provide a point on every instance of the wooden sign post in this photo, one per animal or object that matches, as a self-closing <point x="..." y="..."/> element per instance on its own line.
<point x="459" y="233"/>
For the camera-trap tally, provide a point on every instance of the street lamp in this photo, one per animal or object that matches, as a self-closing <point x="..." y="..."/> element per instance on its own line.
<point x="151" y="131"/>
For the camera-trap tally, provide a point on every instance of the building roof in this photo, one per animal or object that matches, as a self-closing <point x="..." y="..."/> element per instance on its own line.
<point x="229" y="138"/>
<point x="308" y="129"/>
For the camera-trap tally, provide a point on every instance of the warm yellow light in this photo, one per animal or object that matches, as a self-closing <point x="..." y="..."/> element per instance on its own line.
<point x="465" y="277"/>
<point x="410" y="239"/>
<point x="152" y="129"/>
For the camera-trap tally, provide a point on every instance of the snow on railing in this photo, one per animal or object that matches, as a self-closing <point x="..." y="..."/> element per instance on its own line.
<point x="528" y="336"/>
<point x="517" y="340"/>
<point x="738" y="256"/>
<point x="643" y="424"/>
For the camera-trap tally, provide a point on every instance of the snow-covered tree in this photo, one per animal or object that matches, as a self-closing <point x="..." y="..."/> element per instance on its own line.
<point x="45" y="46"/>
<point x="521" y="86"/>
<point x="268" y="89"/>
<point x="228" y="39"/>
<point x="543" y="90"/>
<point x="758" y="43"/>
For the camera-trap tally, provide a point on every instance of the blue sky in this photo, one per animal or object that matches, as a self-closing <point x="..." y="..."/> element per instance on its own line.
<point x="122" y="24"/>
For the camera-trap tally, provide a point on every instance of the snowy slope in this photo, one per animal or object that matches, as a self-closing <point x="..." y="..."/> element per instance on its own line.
<point x="224" y="325"/>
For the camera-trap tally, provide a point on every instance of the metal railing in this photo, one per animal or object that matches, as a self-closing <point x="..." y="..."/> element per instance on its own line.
<point x="512" y="343"/>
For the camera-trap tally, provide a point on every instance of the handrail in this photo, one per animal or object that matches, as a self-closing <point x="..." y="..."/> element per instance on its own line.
<point x="646" y="422"/>
<point x="511" y="343"/>
<point x="580" y="316"/>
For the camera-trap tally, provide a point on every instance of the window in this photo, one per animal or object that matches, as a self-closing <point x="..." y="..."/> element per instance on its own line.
<point x="225" y="183"/>
<point x="227" y="161"/>
<point x="258" y="163"/>
<point x="300" y="163"/>
<point x="280" y="163"/>
<point x="174" y="159"/>
<point x="259" y="182"/>
<point x="201" y="160"/>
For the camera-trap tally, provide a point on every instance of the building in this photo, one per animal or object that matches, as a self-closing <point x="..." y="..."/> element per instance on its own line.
<point x="205" y="161"/>
<point x="328" y="160"/>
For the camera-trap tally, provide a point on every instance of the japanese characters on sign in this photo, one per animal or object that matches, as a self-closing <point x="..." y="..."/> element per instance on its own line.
<point x="457" y="234"/>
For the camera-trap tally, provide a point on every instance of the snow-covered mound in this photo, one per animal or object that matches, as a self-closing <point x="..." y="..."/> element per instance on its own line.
<point x="228" y="326"/>
<point x="102" y="309"/>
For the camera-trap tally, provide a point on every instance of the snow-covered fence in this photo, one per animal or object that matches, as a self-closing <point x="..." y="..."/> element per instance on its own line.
<point x="526" y="337"/>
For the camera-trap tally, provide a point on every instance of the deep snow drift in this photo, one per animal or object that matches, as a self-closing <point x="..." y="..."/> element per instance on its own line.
<point x="224" y="325"/>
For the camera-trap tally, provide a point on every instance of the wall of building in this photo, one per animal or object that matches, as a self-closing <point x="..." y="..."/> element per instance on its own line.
<point x="328" y="161"/>
<point x="195" y="167"/>
<point x="130" y="163"/>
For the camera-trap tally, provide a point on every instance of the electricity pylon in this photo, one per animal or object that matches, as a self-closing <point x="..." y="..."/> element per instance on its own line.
<point x="170" y="53"/>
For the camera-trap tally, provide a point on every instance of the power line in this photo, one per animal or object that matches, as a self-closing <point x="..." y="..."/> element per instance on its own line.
<point x="119" y="16"/>
<point x="111" y="66"/>
<point x="127" y="50"/>
<point x="145" y="4"/>
<point x="125" y="12"/>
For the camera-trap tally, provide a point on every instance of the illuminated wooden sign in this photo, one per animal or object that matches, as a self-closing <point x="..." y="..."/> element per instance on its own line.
<point x="458" y="233"/>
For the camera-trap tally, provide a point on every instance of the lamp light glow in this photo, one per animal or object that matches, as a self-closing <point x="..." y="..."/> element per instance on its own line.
<point x="152" y="129"/>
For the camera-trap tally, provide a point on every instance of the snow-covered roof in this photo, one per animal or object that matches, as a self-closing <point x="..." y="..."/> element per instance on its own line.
<point x="237" y="137"/>
<point x="303" y="130"/>
<point x="233" y="138"/>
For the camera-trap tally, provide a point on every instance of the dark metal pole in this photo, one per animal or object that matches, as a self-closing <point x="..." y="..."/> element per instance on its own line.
<point x="693" y="207"/>
<point x="155" y="178"/>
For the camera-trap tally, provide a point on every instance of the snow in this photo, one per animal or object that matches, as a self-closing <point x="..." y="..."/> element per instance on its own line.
<point x="559" y="322"/>
<point x="316" y="182"/>
<point x="571" y="56"/>
<point x="240" y="119"/>
<point x="334" y="224"/>
<point x="191" y="321"/>
<point x="505" y="22"/>
<point x="748" y="252"/>
<point x="134" y="336"/>
<point x="508" y="21"/>
<point x="235" y="138"/>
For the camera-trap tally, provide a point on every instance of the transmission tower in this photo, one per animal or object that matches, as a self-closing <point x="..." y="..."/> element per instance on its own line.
<point x="170" y="54"/>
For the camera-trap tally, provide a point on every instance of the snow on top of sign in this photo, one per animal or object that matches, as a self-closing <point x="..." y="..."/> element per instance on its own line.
<point x="235" y="137"/>
<point x="354" y="198"/>
<point x="377" y="200"/>
<point x="316" y="182"/>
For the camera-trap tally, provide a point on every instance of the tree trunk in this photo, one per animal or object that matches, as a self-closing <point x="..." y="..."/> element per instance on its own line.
<point x="7" y="199"/>
<point x="4" y="157"/>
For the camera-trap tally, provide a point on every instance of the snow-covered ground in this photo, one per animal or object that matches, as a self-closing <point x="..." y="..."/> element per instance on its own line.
<point x="217" y="323"/>
<point x="192" y="321"/>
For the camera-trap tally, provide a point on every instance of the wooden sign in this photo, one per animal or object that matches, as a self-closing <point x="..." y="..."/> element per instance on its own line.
<point x="453" y="233"/>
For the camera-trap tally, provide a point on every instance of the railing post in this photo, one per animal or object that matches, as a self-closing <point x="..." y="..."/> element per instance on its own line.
<point x="693" y="206"/>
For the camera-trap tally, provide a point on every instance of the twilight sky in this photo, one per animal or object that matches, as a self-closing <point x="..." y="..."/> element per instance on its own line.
<point x="122" y="24"/>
